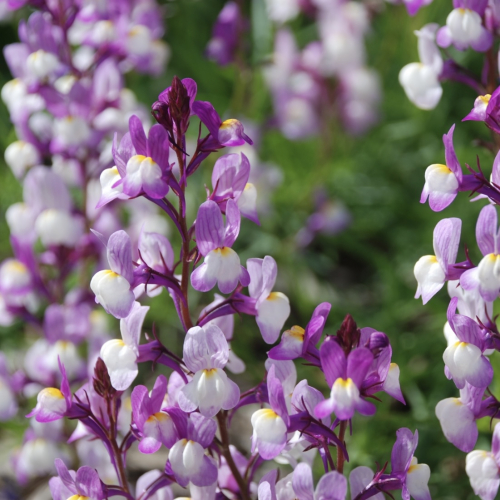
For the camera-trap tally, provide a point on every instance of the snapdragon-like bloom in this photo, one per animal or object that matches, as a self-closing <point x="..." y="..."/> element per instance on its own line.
<point x="206" y="353"/>
<point x="272" y="308"/>
<point x="331" y="486"/>
<point x="112" y="287"/>
<point x="345" y="375"/>
<point x="52" y="404"/>
<point x="120" y="355"/>
<point x="299" y="342"/>
<point x="413" y="476"/>
<point x="465" y="360"/>
<point x="483" y="469"/>
<point x="432" y="271"/>
<point x="187" y="457"/>
<point x="214" y="240"/>
<point x="478" y="112"/>
<point x="153" y="425"/>
<point x="230" y="181"/>
<point x="85" y="484"/>
<point x="442" y="182"/>
<point x="270" y="425"/>
<point x="464" y="27"/>
<point x="421" y="80"/>
<point x="486" y="276"/>
<point x="457" y="417"/>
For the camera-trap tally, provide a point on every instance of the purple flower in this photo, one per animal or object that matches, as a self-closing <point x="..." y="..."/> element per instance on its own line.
<point x="486" y="276"/>
<point x="225" y="34"/>
<point x="442" y="182"/>
<point x="270" y="425"/>
<point x="84" y="483"/>
<point x="457" y="417"/>
<point x="478" y="112"/>
<point x="464" y="360"/>
<point x="331" y="486"/>
<point x="221" y="264"/>
<point x="120" y="355"/>
<point x="206" y="353"/>
<point x="153" y="426"/>
<point x="187" y="457"/>
<point x="112" y="287"/>
<point x="272" y="308"/>
<point x="52" y="404"/>
<point x="464" y="27"/>
<point x="431" y="271"/>
<point x="297" y="342"/>
<point x="483" y="467"/>
<point x="413" y="476"/>
<point x="345" y="375"/>
<point x="222" y="133"/>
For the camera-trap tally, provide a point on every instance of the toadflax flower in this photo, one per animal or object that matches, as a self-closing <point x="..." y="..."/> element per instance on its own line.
<point x="206" y="353"/>
<point x="214" y="240"/>
<point x="113" y="287"/>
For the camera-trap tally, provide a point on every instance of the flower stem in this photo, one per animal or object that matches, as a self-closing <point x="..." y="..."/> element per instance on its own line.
<point x="226" y="452"/>
<point x="340" y="453"/>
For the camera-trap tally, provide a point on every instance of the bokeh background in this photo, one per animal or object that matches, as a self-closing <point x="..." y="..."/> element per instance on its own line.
<point x="365" y="270"/>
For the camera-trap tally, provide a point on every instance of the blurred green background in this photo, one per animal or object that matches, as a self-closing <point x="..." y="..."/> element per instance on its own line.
<point x="367" y="270"/>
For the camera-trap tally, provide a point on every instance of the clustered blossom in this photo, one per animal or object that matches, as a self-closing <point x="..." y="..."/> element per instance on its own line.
<point x="470" y="331"/>
<point x="81" y="129"/>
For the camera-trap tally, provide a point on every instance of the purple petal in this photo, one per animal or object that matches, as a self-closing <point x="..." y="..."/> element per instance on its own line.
<point x="88" y="482"/>
<point x="208" y="116"/>
<point x="138" y="136"/>
<point x="333" y="361"/>
<point x="65" y="475"/>
<point x="254" y="267"/>
<point x="486" y="230"/>
<point x="205" y="348"/>
<point x="201" y="429"/>
<point x="332" y="486"/>
<point x="449" y="152"/>
<point x="233" y="221"/>
<point x="314" y="328"/>
<point x="209" y="227"/>
<point x="302" y="482"/>
<point x="358" y="363"/>
<point x="446" y="241"/>
<point x="267" y="486"/>
<point x="201" y="280"/>
<point x="158" y="394"/>
<point x="207" y="475"/>
<point x="324" y="409"/>
<point x="276" y="396"/>
<point x="159" y="146"/>
<point x="403" y="450"/>
<point x="131" y="326"/>
<point x="467" y="330"/>
<point x="120" y="255"/>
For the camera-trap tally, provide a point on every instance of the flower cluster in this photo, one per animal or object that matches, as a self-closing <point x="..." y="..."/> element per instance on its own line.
<point x="325" y="79"/>
<point x="471" y="331"/>
<point x="90" y="262"/>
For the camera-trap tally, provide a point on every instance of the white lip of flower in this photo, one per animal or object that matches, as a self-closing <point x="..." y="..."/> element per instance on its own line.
<point x="110" y="288"/>
<point x="21" y="155"/>
<point x="52" y="399"/>
<point x="14" y="274"/>
<point x="481" y="465"/>
<point x="441" y="179"/>
<point x="489" y="272"/>
<point x="421" y="84"/>
<point x="344" y="392"/>
<point x="58" y="227"/>
<point x="119" y="358"/>
<point x="65" y="83"/>
<point x="464" y="25"/>
<point x="268" y="426"/>
<point x="224" y="263"/>
<point x="71" y="130"/>
<point x="143" y="168"/>
<point x="461" y="359"/>
<point x="139" y="40"/>
<point x="428" y="271"/>
<point x="20" y="219"/>
<point x="186" y="457"/>
<point x="41" y="64"/>
<point x="13" y="90"/>
<point x="102" y="32"/>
